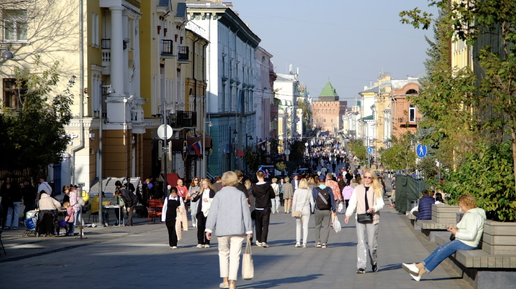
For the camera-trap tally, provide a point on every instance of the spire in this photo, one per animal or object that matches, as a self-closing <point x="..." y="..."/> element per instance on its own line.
<point x="329" y="93"/>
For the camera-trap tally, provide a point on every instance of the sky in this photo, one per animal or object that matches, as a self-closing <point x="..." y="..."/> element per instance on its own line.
<point x="348" y="43"/>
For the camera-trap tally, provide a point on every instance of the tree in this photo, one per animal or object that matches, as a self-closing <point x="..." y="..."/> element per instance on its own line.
<point x="36" y="135"/>
<point x="489" y="26"/>
<point x="358" y="149"/>
<point x="400" y="156"/>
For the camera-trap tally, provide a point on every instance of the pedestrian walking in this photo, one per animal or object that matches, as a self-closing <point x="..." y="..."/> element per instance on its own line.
<point x="11" y="198"/>
<point x="230" y="215"/>
<point x="169" y="215"/>
<point x="193" y="191"/>
<point x="467" y="235"/>
<point x="367" y="200"/>
<point x="325" y="208"/>
<point x="303" y="201"/>
<point x="263" y="194"/>
<point x="276" y="200"/>
<point x="288" y="192"/>
<point x="204" y="198"/>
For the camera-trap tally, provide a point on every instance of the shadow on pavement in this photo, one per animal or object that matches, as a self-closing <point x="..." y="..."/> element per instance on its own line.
<point x="280" y="282"/>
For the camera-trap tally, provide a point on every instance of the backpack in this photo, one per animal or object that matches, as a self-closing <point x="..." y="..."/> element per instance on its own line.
<point x="323" y="199"/>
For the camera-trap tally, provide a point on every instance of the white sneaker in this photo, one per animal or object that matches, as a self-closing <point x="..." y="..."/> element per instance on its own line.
<point x="410" y="268"/>
<point x="258" y="244"/>
<point x="173" y="247"/>
<point x="199" y="246"/>
<point x="417" y="278"/>
<point x="298" y="245"/>
<point x="264" y="245"/>
<point x="206" y="246"/>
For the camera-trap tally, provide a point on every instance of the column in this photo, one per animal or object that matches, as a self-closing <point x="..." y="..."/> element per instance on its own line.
<point x="116" y="109"/>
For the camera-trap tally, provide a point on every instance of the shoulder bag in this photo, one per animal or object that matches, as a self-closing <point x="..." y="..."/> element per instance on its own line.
<point x="366" y="218"/>
<point x="298" y="214"/>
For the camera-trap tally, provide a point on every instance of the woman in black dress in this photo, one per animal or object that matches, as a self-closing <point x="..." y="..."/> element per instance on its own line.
<point x="169" y="214"/>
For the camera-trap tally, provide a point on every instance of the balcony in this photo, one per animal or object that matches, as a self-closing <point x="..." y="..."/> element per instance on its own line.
<point x="167" y="48"/>
<point x="408" y="122"/>
<point x="106" y="52"/>
<point x="183" y="54"/>
<point x="183" y="119"/>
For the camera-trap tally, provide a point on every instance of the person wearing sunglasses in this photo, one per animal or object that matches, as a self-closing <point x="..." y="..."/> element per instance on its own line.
<point x="367" y="199"/>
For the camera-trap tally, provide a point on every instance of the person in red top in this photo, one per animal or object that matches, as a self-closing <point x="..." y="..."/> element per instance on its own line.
<point x="182" y="190"/>
<point x="335" y="188"/>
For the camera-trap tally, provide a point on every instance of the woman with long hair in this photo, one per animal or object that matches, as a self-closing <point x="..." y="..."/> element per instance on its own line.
<point x="169" y="215"/>
<point x="367" y="199"/>
<point x="193" y="191"/>
<point x="204" y="198"/>
<point x="303" y="200"/>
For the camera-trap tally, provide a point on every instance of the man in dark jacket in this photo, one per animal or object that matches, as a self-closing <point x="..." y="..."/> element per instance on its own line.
<point x="424" y="211"/>
<point x="263" y="193"/>
<point x="130" y="201"/>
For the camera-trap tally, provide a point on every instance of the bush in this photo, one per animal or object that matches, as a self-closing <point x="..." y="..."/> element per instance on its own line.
<point x="488" y="176"/>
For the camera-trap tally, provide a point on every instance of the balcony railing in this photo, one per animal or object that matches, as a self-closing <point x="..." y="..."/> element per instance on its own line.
<point x="410" y="121"/>
<point x="106" y="52"/>
<point x="183" y="53"/>
<point x="183" y="119"/>
<point x="167" y="47"/>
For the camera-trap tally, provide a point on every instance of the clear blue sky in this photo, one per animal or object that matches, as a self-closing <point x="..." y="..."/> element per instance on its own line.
<point x="346" y="42"/>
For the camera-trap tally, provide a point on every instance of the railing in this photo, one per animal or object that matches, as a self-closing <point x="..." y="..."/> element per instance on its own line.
<point x="106" y="52"/>
<point x="183" y="53"/>
<point x="408" y="120"/>
<point x="105" y="43"/>
<point x="167" y="47"/>
<point x="183" y="119"/>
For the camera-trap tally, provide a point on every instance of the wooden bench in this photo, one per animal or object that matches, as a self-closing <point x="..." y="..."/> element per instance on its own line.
<point x="480" y="268"/>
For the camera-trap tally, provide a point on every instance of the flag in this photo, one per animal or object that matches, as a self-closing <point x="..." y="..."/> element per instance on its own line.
<point x="198" y="148"/>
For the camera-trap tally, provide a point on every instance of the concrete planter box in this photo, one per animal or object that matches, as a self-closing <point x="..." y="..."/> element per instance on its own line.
<point x="444" y="214"/>
<point x="499" y="238"/>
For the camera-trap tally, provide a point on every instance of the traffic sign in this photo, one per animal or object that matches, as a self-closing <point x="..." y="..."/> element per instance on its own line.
<point x="421" y="150"/>
<point x="369" y="150"/>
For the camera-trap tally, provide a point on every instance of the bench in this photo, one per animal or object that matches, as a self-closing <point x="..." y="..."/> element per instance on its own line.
<point x="480" y="268"/>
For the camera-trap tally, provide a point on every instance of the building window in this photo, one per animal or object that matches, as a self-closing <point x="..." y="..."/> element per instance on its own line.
<point x="12" y="95"/>
<point x="412" y="113"/>
<point x="95" y="30"/>
<point x="15" y="25"/>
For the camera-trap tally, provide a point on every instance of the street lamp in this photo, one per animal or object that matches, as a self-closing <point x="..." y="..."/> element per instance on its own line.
<point x="251" y="138"/>
<point x="6" y="54"/>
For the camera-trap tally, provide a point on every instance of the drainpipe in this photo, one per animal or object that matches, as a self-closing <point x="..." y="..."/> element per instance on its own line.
<point x="81" y="91"/>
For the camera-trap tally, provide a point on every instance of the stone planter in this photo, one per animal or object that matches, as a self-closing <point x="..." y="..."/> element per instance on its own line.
<point x="499" y="238"/>
<point x="444" y="214"/>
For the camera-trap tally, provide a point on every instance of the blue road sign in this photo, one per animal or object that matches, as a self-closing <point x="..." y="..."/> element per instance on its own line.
<point x="369" y="150"/>
<point x="421" y="150"/>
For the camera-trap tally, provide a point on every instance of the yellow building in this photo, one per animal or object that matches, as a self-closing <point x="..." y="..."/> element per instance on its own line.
<point x="129" y="58"/>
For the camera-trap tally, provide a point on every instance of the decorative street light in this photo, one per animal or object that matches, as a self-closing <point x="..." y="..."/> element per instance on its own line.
<point x="6" y="54"/>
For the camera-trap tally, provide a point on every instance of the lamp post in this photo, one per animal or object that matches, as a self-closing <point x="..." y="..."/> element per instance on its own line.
<point x="204" y="165"/>
<point x="251" y="138"/>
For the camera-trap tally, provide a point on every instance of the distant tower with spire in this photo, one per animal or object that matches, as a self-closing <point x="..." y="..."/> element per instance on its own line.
<point x="328" y="110"/>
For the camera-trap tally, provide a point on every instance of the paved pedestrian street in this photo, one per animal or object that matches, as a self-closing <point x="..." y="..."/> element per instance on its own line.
<point x="139" y="257"/>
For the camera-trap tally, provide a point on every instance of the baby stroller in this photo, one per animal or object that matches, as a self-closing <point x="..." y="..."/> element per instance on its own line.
<point x="31" y="219"/>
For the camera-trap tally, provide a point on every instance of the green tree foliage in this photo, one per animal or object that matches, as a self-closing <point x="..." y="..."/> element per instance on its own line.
<point x="281" y="166"/>
<point x="35" y="135"/>
<point x="358" y="149"/>
<point x="489" y="26"/>
<point x="307" y="115"/>
<point x="401" y="155"/>
<point x="252" y="158"/>
<point x="486" y="174"/>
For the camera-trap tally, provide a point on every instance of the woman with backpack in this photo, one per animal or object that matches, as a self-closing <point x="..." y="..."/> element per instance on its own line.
<point x="367" y="199"/>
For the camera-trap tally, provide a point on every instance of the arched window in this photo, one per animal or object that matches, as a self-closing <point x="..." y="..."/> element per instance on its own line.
<point x="411" y="91"/>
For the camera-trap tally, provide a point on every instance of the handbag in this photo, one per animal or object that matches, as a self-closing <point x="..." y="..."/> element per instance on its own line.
<point x="366" y="218"/>
<point x="299" y="214"/>
<point x="247" y="262"/>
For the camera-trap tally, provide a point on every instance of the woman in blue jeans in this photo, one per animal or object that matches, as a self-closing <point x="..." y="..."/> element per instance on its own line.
<point x="467" y="236"/>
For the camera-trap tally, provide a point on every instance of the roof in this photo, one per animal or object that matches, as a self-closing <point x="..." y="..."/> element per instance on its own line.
<point x="328" y="90"/>
<point x="369" y="117"/>
<point x="373" y="89"/>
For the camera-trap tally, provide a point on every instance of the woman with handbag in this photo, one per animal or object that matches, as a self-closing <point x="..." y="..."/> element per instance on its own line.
<point x="230" y="215"/>
<point x="302" y="203"/>
<point x="367" y="199"/>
